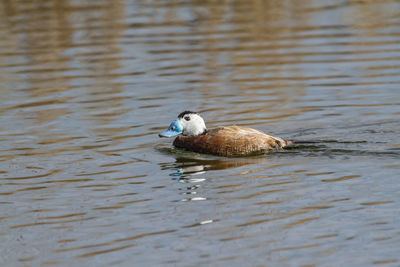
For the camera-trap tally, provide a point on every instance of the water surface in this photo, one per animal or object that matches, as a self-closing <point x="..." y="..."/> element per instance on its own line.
<point x="86" y="86"/>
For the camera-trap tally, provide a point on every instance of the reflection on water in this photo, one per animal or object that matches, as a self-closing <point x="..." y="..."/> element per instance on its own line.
<point x="190" y="163"/>
<point x="85" y="87"/>
<point x="191" y="168"/>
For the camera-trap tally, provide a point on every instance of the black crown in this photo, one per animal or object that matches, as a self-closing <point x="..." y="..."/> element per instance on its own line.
<point x="186" y="112"/>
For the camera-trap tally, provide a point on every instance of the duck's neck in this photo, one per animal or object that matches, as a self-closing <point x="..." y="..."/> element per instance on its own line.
<point x="204" y="132"/>
<point x="192" y="130"/>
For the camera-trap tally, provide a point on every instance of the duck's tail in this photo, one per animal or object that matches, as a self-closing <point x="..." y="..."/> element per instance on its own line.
<point x="288" y="143"/>
<point x="298" y="142"/>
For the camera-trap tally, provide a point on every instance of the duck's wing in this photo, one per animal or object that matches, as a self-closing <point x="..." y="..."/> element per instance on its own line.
<point x="230" y="141"/>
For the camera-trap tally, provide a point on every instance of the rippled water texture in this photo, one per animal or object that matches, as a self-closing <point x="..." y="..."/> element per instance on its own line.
<point x="86" y="86"/>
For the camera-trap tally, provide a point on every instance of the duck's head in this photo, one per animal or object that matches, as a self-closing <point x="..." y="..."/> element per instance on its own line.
<point x="188" y="123"/>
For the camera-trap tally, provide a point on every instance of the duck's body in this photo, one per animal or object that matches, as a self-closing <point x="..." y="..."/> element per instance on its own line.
<point x="228" y="141"/>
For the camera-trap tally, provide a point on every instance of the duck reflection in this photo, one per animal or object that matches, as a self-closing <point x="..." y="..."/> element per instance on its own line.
<point x="191" y="169"/>
<point x="189" y="165"/>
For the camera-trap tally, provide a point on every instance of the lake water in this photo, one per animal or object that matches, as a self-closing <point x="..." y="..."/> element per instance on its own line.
<point x="86" y="86"/>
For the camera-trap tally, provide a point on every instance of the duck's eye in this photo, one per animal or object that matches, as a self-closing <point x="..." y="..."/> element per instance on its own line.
<point x="187" y="118"/>
<point x="173" y="128"/>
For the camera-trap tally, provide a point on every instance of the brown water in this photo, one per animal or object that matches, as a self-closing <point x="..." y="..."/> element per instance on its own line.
<point x="85" y="87"/>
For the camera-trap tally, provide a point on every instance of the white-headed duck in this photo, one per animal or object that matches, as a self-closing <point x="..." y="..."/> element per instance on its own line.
<point x="228" y="141"/>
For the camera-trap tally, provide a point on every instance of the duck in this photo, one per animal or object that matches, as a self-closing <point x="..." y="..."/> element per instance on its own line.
<point x="191" y="133"/>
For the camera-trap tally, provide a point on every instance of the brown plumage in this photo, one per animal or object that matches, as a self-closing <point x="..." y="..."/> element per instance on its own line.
<point x="230" y="141"/>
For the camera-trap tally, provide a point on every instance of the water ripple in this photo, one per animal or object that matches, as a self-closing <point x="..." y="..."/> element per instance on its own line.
<point x="86" y="87"/>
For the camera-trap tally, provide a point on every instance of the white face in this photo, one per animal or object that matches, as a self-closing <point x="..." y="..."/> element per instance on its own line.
<point x="193" y="124"/>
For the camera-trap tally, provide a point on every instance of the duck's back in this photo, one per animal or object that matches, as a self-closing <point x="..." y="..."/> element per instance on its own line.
<point x="230" y="141"/>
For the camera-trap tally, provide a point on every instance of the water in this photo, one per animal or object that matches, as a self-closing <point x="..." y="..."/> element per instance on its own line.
<point x="86" y="86"/>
